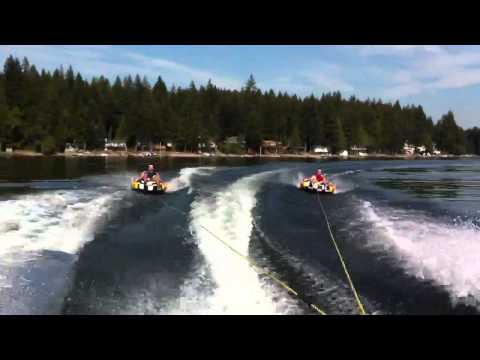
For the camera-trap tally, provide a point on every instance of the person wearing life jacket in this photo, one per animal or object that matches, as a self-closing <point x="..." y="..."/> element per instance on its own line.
<point x="318" y="177"/>
<point x="150" y="174"/>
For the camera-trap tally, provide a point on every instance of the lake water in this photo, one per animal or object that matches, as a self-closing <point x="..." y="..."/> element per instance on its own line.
<point x="74" y="239"/>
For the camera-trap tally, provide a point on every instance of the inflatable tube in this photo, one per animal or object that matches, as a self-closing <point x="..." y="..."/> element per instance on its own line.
<point x="149" y="187"/>
<point x="307" y="185"/>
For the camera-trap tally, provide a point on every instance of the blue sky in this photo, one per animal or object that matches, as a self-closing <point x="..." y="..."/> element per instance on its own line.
<point x="440" y="78"/>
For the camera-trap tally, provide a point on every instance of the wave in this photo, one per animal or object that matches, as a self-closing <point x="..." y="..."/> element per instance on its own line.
<point x="332" y="293"/>
<point x="59" y="221"/>
<point x="40" y="237"/>
<point x="184" y="179"/>
<point x="343" y="182"/>
<point x="446" y="254"/>
<point x="236" y="287"/>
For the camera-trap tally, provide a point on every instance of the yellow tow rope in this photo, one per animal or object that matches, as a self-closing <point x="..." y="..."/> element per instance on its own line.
<point x="258" y="269"/>
<point x="357" y="298"/>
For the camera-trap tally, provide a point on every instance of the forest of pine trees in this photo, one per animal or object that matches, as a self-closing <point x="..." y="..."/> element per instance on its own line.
<point x="43" y="111"/>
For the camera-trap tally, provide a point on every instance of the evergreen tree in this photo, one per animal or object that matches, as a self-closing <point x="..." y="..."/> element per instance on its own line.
<point x="449" y="136"/>
<point x="13" y="82"/>
<point x="45" y="110"/>
<point x="251" y="85"/>
<point x="335" y="135"/>
<point x="295" y="139"/>
<point x="473" y="140"/>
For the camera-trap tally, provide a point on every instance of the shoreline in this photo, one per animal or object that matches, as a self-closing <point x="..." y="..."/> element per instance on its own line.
<point x="306" y="156"/>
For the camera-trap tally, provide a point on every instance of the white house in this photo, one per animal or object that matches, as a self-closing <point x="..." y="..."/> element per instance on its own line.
<point x="209" y="145"/>
<point x="344" y="153"/>
<point x="421" y="149"/>
<point x="408" y="149"/>
<point x="115" y="145"/>
<point x="320" y="150"/>
<point x="70" y="148"/>
<point x="74" y="147"/>
<point x="358" y="150"/>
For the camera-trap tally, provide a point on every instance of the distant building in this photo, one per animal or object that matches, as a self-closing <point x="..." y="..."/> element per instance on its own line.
<point x="271" y="143"/>
<point x="159" y="147"/>
<point x="343" y="153"/>
<point x="144" y="146"/>
<point x="323" y="150"/>
<point x="358" y="150"/>
<point x="75" y="147"/>
<point x="272" y="146"/>
<point x="236" y="140"/>
<point x="115" y="145"/>
<point x="422" y="149"/>
<point x="408" y="149"/>
<point x="70" y="148"/>
<point x="207" y="146"/>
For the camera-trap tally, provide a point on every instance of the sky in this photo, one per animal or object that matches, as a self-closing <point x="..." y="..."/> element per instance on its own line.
<point x="438" y="77"/>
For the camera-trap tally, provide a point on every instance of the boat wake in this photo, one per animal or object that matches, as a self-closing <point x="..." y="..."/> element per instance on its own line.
<point x="446" y="254"/>
<point x="184" y="179"/>
<point x="235" y="288"/>
<point x="40" y="236"/>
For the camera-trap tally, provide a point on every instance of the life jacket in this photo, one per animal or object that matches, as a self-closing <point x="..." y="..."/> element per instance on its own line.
<point x="148" y="175"/>
<point x="151" y="174"/>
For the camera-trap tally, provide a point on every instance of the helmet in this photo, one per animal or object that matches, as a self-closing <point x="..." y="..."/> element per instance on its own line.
<point x="319" y="171"/>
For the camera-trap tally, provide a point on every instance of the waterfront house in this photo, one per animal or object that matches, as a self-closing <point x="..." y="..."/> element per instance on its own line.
<point x="272" y="146"/>
<point x="235" y="140"/>
<point x="115" y="145"/>
<point x="358" y="150"/>
<point x="321" y="150"/>
<point x="207" y="146"/>
<point x="422" y="149"/>
<point x="408" y="149"/>
<point x="75" y="147"/>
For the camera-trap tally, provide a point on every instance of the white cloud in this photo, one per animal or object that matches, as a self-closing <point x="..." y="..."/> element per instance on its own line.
<point x="96" y="60"/>
<point x="403" y="90"/>
<point x="400" y="50"/>
<point x="427" y="68"/>
<point x="287" y="84"/>
<point x="110" y="61"/>
<point x="329" y="82"/>
<point x="184" y="71"/>
<point x="89" y="60"/>
<point x="317" y="78"/>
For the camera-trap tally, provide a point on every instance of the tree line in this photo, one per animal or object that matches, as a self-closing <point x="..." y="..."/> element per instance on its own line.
<point x="44" y="110"/>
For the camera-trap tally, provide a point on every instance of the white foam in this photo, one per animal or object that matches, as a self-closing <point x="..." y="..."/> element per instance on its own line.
<point x="343" y="183"/>
<point x="295" y="179"/>
<point x="237" y="288"/>
<point x="60" y="221"/>
<point x="183" y="180"/>
<point x="446" y="254"/>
